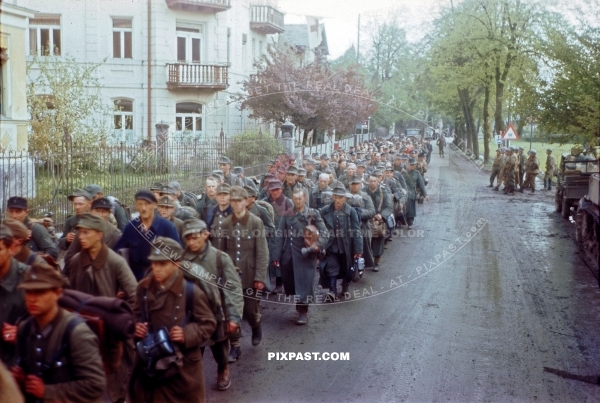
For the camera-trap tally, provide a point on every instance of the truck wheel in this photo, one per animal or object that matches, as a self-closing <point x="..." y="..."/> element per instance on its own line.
<point x="566" y="209"/>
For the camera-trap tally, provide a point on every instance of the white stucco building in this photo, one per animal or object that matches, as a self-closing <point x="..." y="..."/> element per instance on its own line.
<point x="171" y="61"/>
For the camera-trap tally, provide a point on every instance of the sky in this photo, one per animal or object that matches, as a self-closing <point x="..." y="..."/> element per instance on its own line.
<point x="341" y="17"/>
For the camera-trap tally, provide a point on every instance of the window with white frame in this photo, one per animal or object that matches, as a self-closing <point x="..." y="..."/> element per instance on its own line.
<point x="123" y="120"/>
<point x="188" y="118"/>
<point x="44" y="36"/>
<point x="122" y="38"/>
<point x="189" y="43"/>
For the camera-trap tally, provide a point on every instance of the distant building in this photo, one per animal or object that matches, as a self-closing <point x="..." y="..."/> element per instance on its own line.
<point x="13" y="97"/>
<point x="199" y="52"/>
<point x="308" y="39"/>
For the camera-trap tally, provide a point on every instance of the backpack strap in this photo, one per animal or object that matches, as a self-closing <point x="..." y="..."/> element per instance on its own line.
<point x="189" y="302"/>
<point x="22" y="341"/>
<point x="64" y="344"/>
<point x="30" y="259"/>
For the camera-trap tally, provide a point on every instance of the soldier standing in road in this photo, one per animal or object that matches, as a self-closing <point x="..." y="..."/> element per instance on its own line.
<point x="166" y="207"/>
<point x="208" y="199"/>
<point x="246" y="244"/>
<point x="496" y="165"/>
<point x="317" y="199"/>
<point x="101" y="207"/>
<point x="218" y="214"/>
<point x="550" y="168"/>
<point x="224" y="275"/>
<point x="510" y="172"/>
<point x="345" y="242"/>
<point x="414" y="182"/>
<point x="47" y="370"/>
<point x="366" y="213"/>
<point x="101" y="272"/>
<point x="522" y="162"/>
<point x="228" y="177"/>
<point x="533" y="169"/>
<point x="117" y="209"/>
<point x="13" y="307"/>
<point x="382" y="201"/>
<point x="161" y="301"/>
<point x="82" y="203"/>
<point x="20" y="250"/>
<point x="40" y="239"/>
<point x="298" y="268"/>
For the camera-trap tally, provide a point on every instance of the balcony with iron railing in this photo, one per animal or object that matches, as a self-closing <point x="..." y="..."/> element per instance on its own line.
<point x="205" y="6"/>
<point x="266" y="20"/>
<point x="183" y="75"/>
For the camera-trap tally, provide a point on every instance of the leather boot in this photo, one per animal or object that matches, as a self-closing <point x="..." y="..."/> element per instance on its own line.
<point x="545" y="184"/>
<point x="223" y="380"/>
<point x="333" y="286"/>
<point x="256" y="336"/>
<point x="302" y="318"/>
<point x="234" y="354"/>
<point x="497" y="188"/>
<point x="550" y="184"/>
<point x="491" y="185"/>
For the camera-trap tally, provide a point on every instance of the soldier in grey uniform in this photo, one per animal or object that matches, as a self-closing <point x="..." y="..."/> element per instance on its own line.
<point x="311" y="172"/>
<point x="229" y="178"/>
<point x="316" y="198"/>
<point x="183" y="213"/>
<point x="184" y="199"/>
<point x="208" y="199"/>
<point x="522" y="162"/>
<point x="82" y="203"/>
<point x="239" y="172"/>
<point x="117" y="210"/>
<point x="414" y="182"/>
<point x="366" y="212"/>
<point x="40" y="241"/>
<point x="304" y="181"/>
<point x="297" y="268"/>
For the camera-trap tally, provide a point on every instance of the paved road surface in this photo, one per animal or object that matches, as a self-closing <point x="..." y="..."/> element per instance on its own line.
<point x="506" y="295"/>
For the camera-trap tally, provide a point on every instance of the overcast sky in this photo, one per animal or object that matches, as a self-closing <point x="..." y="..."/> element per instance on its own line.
<point x="341" y="16"/>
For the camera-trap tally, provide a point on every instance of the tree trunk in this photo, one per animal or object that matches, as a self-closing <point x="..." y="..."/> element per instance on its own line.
<point x="498" y="122"/>
<point x="487" y="129"/>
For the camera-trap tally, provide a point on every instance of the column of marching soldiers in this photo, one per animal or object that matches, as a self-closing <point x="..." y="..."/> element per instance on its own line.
<point x="183" y="274"/>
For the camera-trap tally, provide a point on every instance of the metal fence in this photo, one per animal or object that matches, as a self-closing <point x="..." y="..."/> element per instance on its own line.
<point x="47" y="179"/>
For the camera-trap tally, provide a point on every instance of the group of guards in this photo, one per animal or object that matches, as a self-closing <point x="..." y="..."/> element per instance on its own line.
<point x="517" y="171"/>
<point x="191" y="267"/>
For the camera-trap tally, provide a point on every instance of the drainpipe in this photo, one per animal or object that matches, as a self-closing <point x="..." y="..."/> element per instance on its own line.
<point x="149" y="62"/>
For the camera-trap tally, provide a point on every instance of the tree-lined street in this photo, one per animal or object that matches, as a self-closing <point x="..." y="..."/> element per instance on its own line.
<point x="481" y="326"/>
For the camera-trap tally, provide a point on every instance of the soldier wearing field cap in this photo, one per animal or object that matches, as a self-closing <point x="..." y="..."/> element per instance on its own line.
<point x="291" y="183"/>
<point x="156" y="188"/>
<point x="101" y="207"/>
<point x="162" y="301"/>
<point x="99" y="271"/>
<point x="532" y="171"/>
<point x="140" y="232"/>
<point x="82" y="203"/>
<point x="228" y="177"/>
<point x="246" y="244"/>
<point x="20" y="250"/>
<point x="13" y="307"/>
<point x="39" y="239"/>
<point x="217" y="215"/>
<point x="166" y="207"/>
<point x="223" y="286"/>
<point x="49" y="371"/>
<point x="184" y="199"/>
<point x="183" y="213"/>
<point x="522" y="162"/>
<point x="117" y="209"/>
<point x="239" y="172"/>
<point x="550" y="168"/>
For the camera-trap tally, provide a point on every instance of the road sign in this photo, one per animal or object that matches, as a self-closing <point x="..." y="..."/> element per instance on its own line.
<point x="510" y="133"/>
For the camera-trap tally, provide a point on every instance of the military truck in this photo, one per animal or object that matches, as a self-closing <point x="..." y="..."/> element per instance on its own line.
<point x="587" y="220"/>
<point x="574" y="174"/>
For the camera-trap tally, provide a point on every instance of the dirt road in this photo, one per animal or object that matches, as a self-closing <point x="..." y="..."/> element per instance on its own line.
<point x="471" y="309"/>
